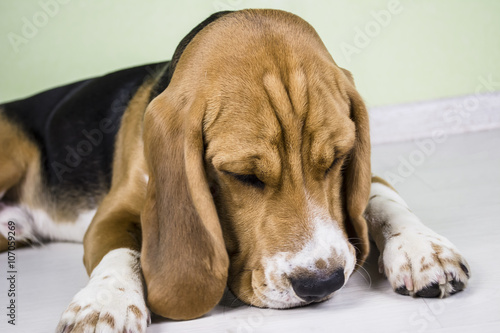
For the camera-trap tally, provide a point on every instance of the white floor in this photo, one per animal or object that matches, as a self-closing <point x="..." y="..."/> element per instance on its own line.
<point x="455" y="189"/>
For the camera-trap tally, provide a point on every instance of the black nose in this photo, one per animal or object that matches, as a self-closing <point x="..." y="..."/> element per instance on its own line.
<point x="315" y="289"/>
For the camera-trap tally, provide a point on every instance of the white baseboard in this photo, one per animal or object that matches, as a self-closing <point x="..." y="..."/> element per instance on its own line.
<point x="439" y="117"/>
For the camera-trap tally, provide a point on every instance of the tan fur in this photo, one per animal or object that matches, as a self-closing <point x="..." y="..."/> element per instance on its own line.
<point x="358" y="174"/>
<point x="20" y="177"/>
<point x="117" y="220"/>
<point x="183" y="257"/>
<point x="377" y="179"/>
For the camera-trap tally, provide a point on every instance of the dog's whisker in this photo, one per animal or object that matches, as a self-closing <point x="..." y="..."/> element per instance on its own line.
<point x="367" y="280"/>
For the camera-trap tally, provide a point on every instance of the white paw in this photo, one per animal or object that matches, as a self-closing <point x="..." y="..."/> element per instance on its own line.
<point x="419" y="262"/>
<point x="112" y="301"/>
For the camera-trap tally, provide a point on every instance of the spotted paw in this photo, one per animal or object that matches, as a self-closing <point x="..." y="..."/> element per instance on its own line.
<point x="421" y="263"/>
<point x="113" y="300"/>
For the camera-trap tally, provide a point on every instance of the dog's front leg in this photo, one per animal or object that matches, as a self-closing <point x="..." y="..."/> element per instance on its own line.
<point x="416" y="260"/>
<point x="113" y="300"/>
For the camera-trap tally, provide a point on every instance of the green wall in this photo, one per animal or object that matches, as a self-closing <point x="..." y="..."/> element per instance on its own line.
<point x="411" y="50"/>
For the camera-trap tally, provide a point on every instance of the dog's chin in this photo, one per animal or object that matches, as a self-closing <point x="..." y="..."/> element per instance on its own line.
<point x="279" y="305"/>
<point x="289" y="300"/>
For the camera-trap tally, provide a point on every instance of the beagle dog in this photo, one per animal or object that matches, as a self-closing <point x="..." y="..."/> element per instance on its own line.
<point x="243" y="162"/>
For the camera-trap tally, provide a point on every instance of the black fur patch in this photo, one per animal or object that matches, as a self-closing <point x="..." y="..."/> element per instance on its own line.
<point x="75" y="127"/>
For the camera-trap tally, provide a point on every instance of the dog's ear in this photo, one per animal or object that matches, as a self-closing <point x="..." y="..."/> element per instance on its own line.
<point x="357" y="175"/>
<point x="184" y="260"/>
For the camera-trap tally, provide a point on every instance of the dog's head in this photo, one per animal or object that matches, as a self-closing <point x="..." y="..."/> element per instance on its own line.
<point x="259" y="161"/>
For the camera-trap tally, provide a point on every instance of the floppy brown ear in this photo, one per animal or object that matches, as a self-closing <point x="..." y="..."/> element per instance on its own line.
<point x="184" y="260"/>
<point x="357" y="175"/>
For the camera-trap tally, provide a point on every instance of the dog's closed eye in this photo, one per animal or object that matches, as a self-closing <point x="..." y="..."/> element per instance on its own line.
<point x="334" y="163"/>
<point x="251" y="180"/>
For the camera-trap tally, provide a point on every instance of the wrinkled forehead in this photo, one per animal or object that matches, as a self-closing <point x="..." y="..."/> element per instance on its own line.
<point x="272" y="115"/>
